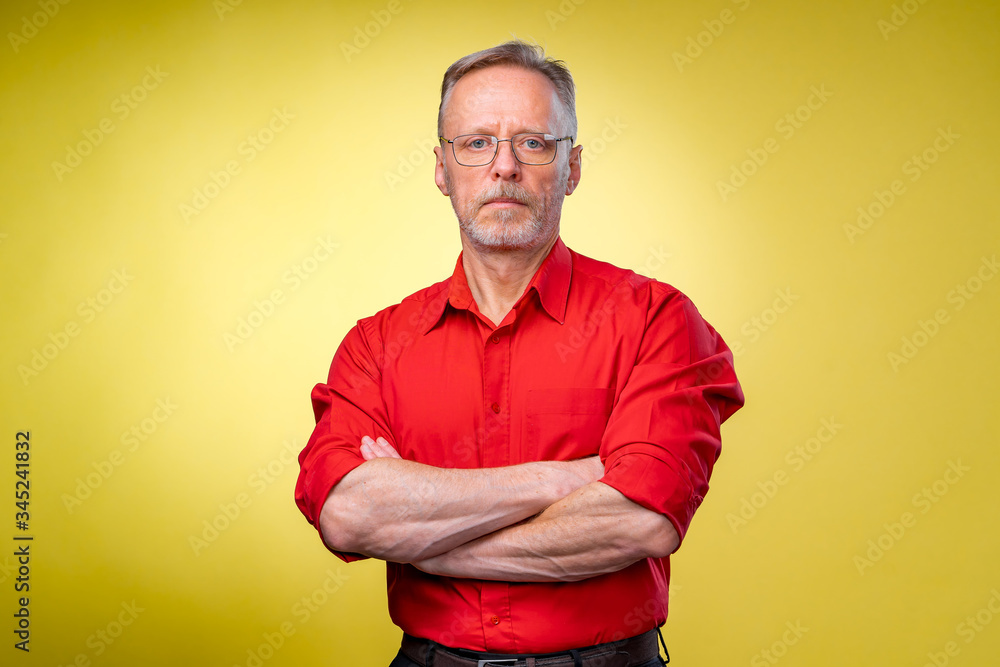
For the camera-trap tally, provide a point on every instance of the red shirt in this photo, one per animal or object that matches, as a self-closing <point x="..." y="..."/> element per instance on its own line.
<point x="592" y="359"/>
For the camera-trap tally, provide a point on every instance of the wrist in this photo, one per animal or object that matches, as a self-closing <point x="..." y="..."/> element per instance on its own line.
<point x="565" y="477"/>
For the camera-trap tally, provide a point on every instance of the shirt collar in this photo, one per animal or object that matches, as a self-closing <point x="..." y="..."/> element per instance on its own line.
<point x="552" y="279"/>
<point x="551" y="282"/>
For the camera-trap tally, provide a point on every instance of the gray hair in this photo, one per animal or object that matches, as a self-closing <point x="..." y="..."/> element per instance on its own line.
<point x="518" y="54"/>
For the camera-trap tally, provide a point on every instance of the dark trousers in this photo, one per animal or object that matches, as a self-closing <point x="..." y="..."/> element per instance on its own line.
<point x="402" y="661"/>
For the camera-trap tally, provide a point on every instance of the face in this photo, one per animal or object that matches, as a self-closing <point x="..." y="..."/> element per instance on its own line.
<point x="506" y="205"/>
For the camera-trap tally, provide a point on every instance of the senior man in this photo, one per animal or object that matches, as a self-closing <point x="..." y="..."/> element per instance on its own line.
<point x="524" y="443"/>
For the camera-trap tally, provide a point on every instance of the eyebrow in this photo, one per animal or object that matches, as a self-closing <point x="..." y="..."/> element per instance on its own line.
<point x="480" y="130"/>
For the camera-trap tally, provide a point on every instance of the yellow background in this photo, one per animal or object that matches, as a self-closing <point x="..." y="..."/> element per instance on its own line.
<point x="351" y="165"/>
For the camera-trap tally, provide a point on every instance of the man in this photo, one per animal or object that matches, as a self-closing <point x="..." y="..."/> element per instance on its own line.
<point x="525" y="443"/>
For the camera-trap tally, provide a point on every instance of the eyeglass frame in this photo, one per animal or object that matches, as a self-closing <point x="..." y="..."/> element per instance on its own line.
<point x="496" y="147"/>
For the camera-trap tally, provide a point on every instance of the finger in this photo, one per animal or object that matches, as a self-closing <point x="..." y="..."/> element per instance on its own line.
<point x="387" y="449"/>
<point x="599" y="467"/>
<point x="375" y="451"/>
<point x="366" y="452"/>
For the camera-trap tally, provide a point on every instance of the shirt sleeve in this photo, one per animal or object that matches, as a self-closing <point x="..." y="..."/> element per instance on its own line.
<point x="663" y="436"/>
<point x="348" y="407"/>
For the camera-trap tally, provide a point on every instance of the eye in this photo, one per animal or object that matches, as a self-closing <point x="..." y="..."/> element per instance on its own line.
<point x="531" y="142"/>
<point x="475" y="142"/>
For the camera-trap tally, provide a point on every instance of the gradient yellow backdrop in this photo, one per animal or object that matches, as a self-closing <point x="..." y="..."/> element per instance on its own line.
<point x="200" y="198"/>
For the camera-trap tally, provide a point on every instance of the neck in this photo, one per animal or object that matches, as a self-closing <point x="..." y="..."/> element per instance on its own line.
<point x="498" y="278"/>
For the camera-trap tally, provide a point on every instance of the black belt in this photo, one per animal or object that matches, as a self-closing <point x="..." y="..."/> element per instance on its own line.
<point x="625" y="653"/>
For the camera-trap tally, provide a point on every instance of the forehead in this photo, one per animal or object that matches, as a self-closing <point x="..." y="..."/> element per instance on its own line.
<point x="503" y="96"/>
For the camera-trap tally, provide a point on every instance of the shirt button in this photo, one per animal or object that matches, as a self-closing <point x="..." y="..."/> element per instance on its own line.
<point x="495" y="620"/>
<point x="495" y="339"/>
<point x="496" y="407"/>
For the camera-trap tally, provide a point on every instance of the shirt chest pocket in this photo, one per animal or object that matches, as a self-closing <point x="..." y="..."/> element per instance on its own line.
<point x="566" y="424"/>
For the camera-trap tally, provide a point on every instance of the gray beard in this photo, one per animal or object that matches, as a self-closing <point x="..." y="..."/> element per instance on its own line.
<point x="505" y="229"/>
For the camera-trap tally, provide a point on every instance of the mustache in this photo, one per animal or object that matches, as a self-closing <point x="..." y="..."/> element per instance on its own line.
<point x="504" y="190"/>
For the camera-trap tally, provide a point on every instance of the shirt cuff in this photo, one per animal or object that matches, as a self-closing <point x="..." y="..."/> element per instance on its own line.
<point x="313" y="488"/>
<point x="651" y="477"/>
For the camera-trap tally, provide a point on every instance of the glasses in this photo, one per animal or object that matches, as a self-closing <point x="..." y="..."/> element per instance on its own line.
<point x="478" y="150"/>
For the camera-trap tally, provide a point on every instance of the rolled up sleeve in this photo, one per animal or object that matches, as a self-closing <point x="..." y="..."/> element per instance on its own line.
<point x="349" y="406"/>
<point x="663" y="437"/>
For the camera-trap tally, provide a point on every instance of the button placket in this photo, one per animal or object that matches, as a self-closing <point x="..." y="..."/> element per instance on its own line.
<point x="496" y="382"/>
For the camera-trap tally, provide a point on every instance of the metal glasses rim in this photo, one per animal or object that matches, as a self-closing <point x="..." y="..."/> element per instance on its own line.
<point x="497" y="147"/>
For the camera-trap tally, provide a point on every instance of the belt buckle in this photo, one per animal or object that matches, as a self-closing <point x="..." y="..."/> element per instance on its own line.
<point x="496" y="661"/>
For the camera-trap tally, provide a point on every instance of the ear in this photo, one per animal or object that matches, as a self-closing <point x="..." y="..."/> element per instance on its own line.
<point x="439" y="168"/>
<point x="574" y="169"/>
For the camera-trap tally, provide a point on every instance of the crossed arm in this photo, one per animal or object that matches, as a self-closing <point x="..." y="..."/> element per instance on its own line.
<point x="539" y="521"/>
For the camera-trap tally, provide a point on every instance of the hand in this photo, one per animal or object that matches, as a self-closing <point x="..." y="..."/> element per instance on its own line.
<point x="572" y="475"/>
<point x="378" y="449"/>
<point x="589" y="469"/>
<point x="426" y="565"/>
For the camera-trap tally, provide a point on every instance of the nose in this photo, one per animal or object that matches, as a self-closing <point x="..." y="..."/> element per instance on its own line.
<point x="505" y="166"/>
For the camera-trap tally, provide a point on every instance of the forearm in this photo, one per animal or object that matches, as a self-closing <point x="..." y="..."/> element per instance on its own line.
<point x="403" y="511"/>
<point x="593" y="531"/>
